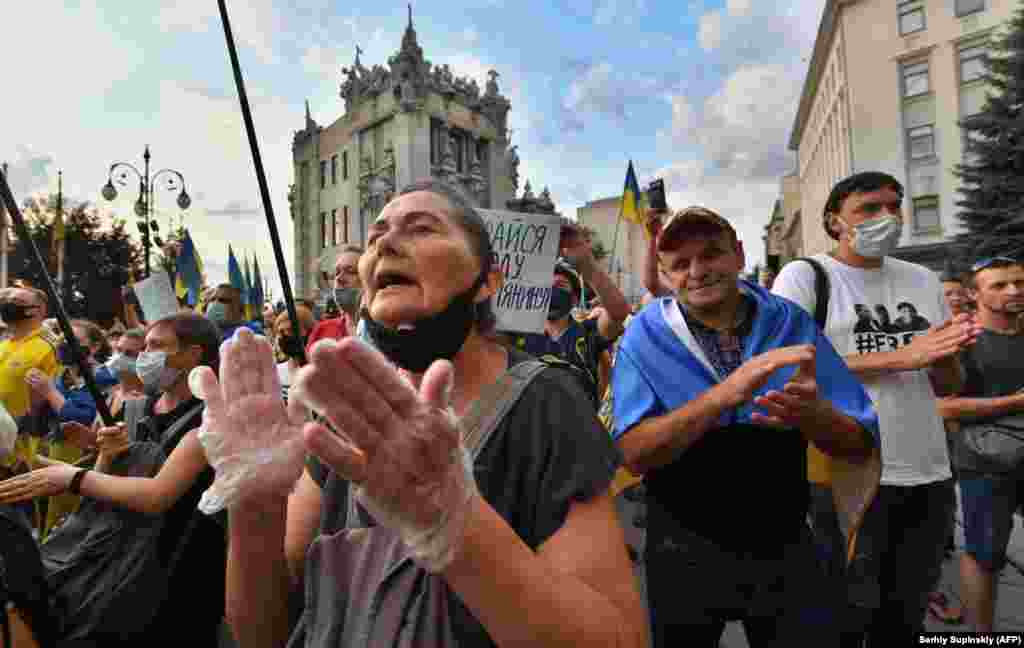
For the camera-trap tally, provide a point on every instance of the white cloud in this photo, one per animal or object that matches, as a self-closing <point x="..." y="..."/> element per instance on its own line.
<point x="257" y="24"/>
<point x="709" y="34"/>
<point x="601" y="89"/>
<point x="742" y="128"/>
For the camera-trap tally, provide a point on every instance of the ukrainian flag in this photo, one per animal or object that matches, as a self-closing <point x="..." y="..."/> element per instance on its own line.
<point x="235" y="277"/>
<point x="247" y="293"/>
<point x="632" y="199"/>
<point x="188" y="279"/>
<point x="257" y="288"/>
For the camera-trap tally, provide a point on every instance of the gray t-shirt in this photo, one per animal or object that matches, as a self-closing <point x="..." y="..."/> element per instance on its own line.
<point x="992" y="369"/>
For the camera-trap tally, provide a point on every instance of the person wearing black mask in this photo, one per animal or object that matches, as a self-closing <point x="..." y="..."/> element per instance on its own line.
<point x="290" y="347"/>
<point x="30" y="347"/>
<point x="530" y="553"/>
<point x="583" y="344"/>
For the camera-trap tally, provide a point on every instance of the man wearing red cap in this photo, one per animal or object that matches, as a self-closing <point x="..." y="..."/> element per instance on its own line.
<point x="718" y="388"/>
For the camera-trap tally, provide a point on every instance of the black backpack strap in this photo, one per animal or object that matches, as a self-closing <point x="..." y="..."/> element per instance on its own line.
<point x="483" y="419"/>
<point x="822" y="291"/>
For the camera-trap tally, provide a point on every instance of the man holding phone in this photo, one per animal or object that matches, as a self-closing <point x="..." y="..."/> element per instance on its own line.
<point x="654" y="281"/>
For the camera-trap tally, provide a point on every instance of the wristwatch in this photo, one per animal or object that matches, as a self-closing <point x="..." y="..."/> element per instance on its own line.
<point x="76" y="482"/>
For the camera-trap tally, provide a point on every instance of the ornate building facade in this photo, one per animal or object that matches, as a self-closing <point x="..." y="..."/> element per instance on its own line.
<point x="405" y="121"/>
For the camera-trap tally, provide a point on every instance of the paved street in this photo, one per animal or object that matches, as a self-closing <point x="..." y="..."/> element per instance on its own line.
<point x="1010" y="606"/>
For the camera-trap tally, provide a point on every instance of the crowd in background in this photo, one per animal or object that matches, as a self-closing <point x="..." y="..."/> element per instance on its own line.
<point x="795" y="446"/>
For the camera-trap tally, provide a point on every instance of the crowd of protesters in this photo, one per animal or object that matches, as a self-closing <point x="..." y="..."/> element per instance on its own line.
<point x="403" y="473"/>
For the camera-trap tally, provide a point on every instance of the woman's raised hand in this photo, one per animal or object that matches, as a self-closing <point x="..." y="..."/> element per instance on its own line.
<point x="252" y="442"/>
<point x="402" y="448"/>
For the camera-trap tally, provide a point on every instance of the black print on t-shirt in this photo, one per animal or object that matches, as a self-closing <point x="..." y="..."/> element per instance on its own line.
<point x="876" y="331"/>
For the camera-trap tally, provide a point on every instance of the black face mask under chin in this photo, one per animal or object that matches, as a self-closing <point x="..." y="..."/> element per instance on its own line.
<point x="436" y="337"/>
<point x="560" y="305"/>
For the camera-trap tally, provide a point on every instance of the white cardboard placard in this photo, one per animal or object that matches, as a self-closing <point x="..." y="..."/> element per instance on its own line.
<point x="156" y="296"/>
<point x="525" y="248"/>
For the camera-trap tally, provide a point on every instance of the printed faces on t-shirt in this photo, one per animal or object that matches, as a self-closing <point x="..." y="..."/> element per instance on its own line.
<point x="875" y="330"/>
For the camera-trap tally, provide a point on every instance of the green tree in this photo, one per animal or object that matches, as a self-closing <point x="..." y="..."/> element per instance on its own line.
<point x="992" y="173"/>
<point x="97" y="259"/>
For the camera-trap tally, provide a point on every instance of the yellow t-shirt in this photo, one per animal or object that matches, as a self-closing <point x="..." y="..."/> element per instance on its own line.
<point x="16" y="358"/>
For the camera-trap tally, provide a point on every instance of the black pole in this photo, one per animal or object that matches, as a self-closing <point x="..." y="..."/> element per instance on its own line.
<point x="261" y="177"/>
<point x="51" y="292"/>
<point x="145" y="203"/>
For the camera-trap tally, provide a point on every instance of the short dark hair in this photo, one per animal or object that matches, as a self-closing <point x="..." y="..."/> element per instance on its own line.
<point x="193" y="329"/>
<point x="864" y="182"/>
<point x="970" y="277"/>
<point x="470" y="221"/>
<point x="95" y="336"/>
<point x="235" y="292"/>
<point x="902" y="305"/>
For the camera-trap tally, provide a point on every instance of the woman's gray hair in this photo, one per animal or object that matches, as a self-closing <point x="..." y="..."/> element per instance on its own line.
<point x="472" y="223"/>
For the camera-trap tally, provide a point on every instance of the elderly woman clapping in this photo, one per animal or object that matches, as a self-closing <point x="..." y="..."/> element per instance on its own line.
<point x="445" y="538"/>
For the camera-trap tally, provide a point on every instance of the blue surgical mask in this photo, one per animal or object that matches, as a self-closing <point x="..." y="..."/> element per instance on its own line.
<point x="217" y="312"/>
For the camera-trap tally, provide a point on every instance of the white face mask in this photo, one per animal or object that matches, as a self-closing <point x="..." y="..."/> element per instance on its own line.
<point x="120" y="363"/>
<point x="876" y="237"/>
<point x="156" y="376"/>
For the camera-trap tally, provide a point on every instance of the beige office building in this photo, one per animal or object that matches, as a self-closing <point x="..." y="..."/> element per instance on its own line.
<point x="887" y="84"/>
<point x="627" y="239"/>
<point x="405" y="121"/>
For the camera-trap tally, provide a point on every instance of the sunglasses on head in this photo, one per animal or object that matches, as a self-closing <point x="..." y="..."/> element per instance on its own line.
<point x="993" y="261"/>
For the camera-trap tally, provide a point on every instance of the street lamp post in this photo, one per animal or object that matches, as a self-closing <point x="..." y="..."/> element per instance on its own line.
<point x="144" y="204"/>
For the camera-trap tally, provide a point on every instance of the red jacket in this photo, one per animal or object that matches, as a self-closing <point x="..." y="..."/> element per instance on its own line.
<point x="333" y="329"/>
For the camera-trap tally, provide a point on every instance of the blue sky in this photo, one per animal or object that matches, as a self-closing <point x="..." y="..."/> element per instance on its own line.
<point x="702" y="93"/>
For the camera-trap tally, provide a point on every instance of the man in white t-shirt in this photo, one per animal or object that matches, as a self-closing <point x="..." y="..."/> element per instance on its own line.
<point x="901" y="544"/>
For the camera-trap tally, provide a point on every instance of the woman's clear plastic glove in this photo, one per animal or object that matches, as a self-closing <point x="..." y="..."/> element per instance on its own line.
<point x="252" y="442"/>
<point x="402" y="448"/>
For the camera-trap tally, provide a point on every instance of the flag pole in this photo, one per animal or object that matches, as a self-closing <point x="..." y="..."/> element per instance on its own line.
<point x="261" y="178"/>
<point x="4" y="238"/>
<point x="62" y="317"/>
<point x="60" y="231"/>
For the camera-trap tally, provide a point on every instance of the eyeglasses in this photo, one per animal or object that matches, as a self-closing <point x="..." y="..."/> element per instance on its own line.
<point x="993" y="261"/>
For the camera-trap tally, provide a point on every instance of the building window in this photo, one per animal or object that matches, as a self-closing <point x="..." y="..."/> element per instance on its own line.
<point x="323" y="174"/>
<point x="435" y="141"/>
<point x="972" y="63"/>
<point x="459" y="149"/>
<point x="323" y="230"/>
<point x="344" y="165"/>
<point x="334" y="169"/>
<point x="967" y="7"/>
<point x="334" y="227"/>
<point x="921" y="142"/>
<point x="481" y="154"/>
<point x="344" y="223"/>
<point x="926" y="213"/>
<point x="911" y="17"/>
<point x="915" y="79"/>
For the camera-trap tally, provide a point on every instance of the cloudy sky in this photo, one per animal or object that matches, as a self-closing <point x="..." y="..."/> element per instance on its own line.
<point x="702" y="93"/>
